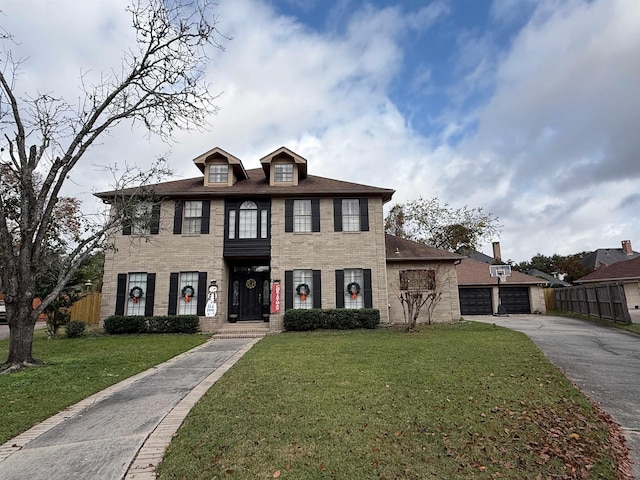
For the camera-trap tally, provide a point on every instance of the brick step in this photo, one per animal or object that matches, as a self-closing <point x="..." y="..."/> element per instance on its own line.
<point x="239" y="335"/>
<point x="242" y="330"/>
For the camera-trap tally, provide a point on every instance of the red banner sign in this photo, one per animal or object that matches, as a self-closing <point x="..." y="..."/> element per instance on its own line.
<point x="276" y="290"/>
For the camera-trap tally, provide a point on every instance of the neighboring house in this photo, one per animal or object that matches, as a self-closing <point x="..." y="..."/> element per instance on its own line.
<point x="408" y="256"/>
<point x="243" y="232"/>
<point x="553" y="280"/>
<point x="478" y="291"/>
<point x="608" y="256"/>
<point x="627" y="273"/>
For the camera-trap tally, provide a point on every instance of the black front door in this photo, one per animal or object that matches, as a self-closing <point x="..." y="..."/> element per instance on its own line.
<point x="250" y="295"/>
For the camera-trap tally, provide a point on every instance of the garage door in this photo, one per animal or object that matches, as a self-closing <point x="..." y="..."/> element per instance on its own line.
<point x="515" y="299"/>
<point x="475" y="301"/>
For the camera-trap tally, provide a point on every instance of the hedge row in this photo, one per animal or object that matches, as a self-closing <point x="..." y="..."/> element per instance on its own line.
<point x="340" y="319"/>
<point x="119" y="324"/>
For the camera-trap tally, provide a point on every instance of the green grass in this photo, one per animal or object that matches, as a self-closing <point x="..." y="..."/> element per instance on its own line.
<point x="631" y="327"/>
<point x="458" y="401"/>
<point x="75" y="369"/>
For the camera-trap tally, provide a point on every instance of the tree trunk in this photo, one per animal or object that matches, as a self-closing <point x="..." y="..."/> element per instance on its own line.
<point x="21" y="324"/>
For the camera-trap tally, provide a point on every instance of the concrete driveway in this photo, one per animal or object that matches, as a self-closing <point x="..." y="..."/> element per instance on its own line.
<point x="604" y="362"/>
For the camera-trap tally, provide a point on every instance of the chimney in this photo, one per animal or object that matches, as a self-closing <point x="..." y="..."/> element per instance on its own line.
<point x="626" y="247"/>
<point x="496" y="252"/>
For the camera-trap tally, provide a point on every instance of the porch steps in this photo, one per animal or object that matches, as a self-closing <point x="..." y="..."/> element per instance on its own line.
<point x="242" y="330"/>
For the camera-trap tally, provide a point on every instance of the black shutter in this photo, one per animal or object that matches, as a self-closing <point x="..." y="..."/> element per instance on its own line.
<point x="177" y="217"/>
<point x="150" y="295"/>
<point x="339" y="288"/>
<point x="315" y="214"/>
<point x="288" y="290"/>
<point x="173" y="294"/>
<point x="317" y="289"/>
<point x="337" y="214"/>
<point x="288" y="215"/>
<point x="202" y="293"/>
<point x="121" y="293"/>
<point x="367" y="291"/>
<point x="206" y="217"/>
<point x="155" y="219"/>
<point x="364" y="214"/>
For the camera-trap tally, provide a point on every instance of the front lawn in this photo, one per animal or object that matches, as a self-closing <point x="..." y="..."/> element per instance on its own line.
<point x="75" y="369"/>
<point x="459" y="401"/>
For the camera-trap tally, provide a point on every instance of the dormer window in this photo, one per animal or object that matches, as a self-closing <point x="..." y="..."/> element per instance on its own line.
<point x="219" y="174"/>
<point x="283" y="172"/>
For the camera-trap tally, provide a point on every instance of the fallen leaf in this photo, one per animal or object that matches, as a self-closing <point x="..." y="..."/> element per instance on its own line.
<point x="276" y="474"/>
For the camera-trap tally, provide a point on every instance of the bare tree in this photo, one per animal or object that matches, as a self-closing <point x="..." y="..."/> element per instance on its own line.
<point x="159" y="86"/>
<point x="421" y="288"/>
<point x="426" y="221"/>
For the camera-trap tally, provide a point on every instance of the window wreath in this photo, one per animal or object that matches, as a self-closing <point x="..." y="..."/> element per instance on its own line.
<point x="187" y="292"/>
<point x="136" y="293"/>
<point x="354" y="289"/>
<point x="303" y="290"/>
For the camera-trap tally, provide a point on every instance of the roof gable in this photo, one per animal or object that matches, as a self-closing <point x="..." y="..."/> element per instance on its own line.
<point x="284" y="152"/>
<point x="218" y="153"/>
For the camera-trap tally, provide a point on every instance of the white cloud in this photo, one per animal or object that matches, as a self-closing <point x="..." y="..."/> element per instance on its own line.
<point x="547" y="121"/>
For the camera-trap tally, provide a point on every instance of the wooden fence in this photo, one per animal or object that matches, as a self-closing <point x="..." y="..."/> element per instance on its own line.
<point x="87" y="309"/>
<point x="607" y="301"/>
<point x="550" y="298"/>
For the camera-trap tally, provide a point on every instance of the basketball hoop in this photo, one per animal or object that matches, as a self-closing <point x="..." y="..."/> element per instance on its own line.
<point x="501" y="272"/>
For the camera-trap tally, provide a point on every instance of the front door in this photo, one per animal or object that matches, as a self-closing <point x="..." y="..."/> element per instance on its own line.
<point x="250" y="295"/>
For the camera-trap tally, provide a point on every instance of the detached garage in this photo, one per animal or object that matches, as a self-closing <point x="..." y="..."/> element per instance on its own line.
<point x="478" y="291"/>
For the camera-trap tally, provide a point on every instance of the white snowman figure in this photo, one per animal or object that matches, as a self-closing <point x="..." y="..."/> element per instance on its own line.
<point x="212" y="307"/>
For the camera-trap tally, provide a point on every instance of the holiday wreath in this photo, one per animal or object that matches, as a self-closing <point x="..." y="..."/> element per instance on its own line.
<point x="354" y="289"/>
<point x="303" y="290"/>
<point x="188" y="292"/>
<point x="136" y="293"/>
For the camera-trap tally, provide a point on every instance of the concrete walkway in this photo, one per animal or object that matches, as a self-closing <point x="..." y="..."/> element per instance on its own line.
<point x="121" y="432"/>
<point x="604" y="362"/>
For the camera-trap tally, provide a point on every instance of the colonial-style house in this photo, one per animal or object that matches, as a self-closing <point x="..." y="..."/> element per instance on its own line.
<point x="233" y="244"/>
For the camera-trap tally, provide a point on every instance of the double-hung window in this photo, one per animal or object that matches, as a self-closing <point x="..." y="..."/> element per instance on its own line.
<point x="141" y="219"/>
<point x="137" y="294"/>
<point x="283" y="172"/>
<point x="353" y="288"/>
<point x="302" y="289"/>
<point x="350" y="215"/>
<point x="188" y="293"/>
<point x="302" y="216"/>
<point x="219" y="174"/>
<point x="192" y="222"/>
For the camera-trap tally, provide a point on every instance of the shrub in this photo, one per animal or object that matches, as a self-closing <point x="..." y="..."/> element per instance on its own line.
<point x="75" y="329"/>
<point x="339" y="319"/>
<point x="173" y="324"/>
<point x="122" y="324"/>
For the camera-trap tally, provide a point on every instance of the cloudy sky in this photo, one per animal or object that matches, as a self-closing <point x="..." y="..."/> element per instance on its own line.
<point x="527" y="108"/>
